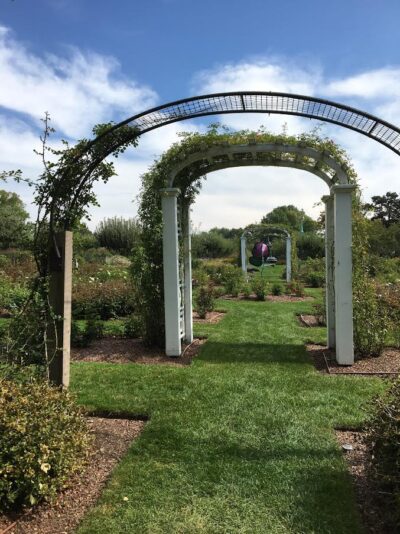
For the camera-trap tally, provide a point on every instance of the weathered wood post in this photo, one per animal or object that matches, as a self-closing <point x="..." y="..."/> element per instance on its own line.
<point x="60" y="297"/>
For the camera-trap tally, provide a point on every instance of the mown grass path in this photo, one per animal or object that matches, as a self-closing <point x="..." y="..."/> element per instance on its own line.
<point x="242" y="441"/>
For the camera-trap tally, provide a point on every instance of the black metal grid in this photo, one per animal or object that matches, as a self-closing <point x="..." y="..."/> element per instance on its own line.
<point x="270" y="103"/>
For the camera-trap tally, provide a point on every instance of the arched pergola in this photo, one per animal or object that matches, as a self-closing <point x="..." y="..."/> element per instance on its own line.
<point x="260" y="102"/>
<point x="277" y="231"/>
<point x="338" y="206"/>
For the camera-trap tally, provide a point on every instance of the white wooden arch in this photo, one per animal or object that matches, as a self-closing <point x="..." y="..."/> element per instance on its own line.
<point x="338" y="208"/>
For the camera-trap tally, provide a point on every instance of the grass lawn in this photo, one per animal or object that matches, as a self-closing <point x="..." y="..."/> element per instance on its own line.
<point x="242" y="441"/>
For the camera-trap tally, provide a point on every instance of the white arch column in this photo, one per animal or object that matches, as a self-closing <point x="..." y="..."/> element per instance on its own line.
<point x="329" y="270"/>
<point x="342" y="195"/>
<point x="243" y="254"/>
<point x="187" y="266"/>
<point x="288" y="258"/>
<point x="172" y="297"/>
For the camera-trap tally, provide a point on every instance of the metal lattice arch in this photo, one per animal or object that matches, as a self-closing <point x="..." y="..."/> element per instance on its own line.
<point x="267" y="103"/>
<point x="337" y="203"/>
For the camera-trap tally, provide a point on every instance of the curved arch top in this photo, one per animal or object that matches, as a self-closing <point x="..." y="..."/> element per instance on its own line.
<point x="268" y="102"/>
<point x="304" y="158"/>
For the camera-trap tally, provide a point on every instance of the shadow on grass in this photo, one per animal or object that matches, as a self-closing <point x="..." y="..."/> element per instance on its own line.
<point x="219" y="352"/>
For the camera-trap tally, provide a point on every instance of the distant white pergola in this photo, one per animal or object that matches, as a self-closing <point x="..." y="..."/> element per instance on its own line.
<point x="338" y="237"/>
<point x="272" y="232"/>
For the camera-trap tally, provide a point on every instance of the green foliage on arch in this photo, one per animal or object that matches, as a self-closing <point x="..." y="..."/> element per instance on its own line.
<point x="147" y="262"/>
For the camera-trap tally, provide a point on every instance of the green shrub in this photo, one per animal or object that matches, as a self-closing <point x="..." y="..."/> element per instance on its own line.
<point x="12" y="295"/>
<point x="133" y="326"/>
<point x="118" y="234"/>
<point x="312" y="272"/>
<point x="310" y="245"/>
<point x="276" y="289"/>
<point x="204" y="300"/>
<point x="296" y="288"/>
<point x="260" y="287"/>
<point x="43" y="441"/>
<point x="84" y="337"/>
<point x="246" y="289"/>
<point x="212" y="245"/>
<point x="383" y="441"/>
<point x="108" y="299"/>
<point x="370" y="318"/>
<point x="232" y="279"/>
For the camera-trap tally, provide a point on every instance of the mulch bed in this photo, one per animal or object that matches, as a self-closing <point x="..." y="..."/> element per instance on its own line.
<point x="310" y="320"/>
<point x="370" y="502"/>
<point x="112" y="438"/>
<point x="212" y="317"/>
<point x="121" y="350"/>
<point x="385" y="365"/>
<point x="271" y="298"/>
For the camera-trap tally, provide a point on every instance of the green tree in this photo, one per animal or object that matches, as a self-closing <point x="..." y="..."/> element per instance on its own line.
<point x="292" y="217"/>
<point x="14" y="230"/>
<point x="118" y="234"/>
<point x="385" y="208"/>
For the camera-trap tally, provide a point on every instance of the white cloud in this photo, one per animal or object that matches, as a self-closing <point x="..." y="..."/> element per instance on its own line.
<point x="78" y="90"/>
<point x="81" y="89"/>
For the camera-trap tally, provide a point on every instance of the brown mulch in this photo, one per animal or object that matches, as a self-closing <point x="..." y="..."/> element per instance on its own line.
<point x="212" y="317"/>
<point x="112" y="438"/>
<point x="271" y="298"/>
<point x="310" y="320"/>
<point x="386" y="365"/>
<point x="369" y="500"/>
<point x="121" y="350"/>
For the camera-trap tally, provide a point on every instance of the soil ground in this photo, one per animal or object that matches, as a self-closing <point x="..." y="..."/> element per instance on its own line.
<point x="111" y="439"/>
<point x="367" y="494"/>
<point x="387" y="364"/>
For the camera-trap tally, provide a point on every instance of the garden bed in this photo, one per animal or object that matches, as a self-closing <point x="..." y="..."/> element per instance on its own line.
<point x="310" y="320"/>
<point x="369" y="500"/>
<point x="122" y="350"/>
<point x="112" y="438"/>
<point x="212" y="317"/>
<point x="271" y="298"/>
<point x="386" y="365"/>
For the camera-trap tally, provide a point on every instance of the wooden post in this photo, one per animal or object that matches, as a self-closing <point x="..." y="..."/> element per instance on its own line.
<point x="60" y="296"/>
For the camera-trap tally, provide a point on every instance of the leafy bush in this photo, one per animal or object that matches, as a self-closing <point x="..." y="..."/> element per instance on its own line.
<point x="12" y="295"/>
<point x="310" y="245"/>
<point x="204" y="300"/>
<point x="43" y="441"/>
<point x="83" y="337"/>
<point x="118" y="234"/>
<point x="212" y="245"/>
<point x="133" y="326"/>
<point x="260" y="287"/>
<point x="108" y="299"/>
<point x="295" y="287"/>
<point x="246" y="289"/>
<point x="312" y="272"/>
<point x="232" y="279"/>
<point x="276" y="289"/>
<point x="383" y="441"/>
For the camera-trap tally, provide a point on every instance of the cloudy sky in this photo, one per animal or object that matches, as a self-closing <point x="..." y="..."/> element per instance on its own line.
<point x="91" y="61"/>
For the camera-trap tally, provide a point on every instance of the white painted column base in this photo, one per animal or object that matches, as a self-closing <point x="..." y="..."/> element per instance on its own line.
<point x="343" y="273"/>
<point x="188" y="294"/>
<point x="288" y="259"/>
<point x="243" y="254"/>
<point x="172" y="298"/>
<point x="329" y="270"/>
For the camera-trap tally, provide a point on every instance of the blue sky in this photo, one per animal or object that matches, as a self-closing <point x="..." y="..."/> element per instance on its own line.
<point x="88" y="61"/>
